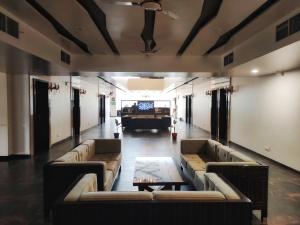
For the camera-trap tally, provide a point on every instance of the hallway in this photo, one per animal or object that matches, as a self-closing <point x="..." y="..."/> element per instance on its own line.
<point x="21" y="180"/>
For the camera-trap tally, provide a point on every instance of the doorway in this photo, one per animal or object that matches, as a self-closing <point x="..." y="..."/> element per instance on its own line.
<point x="41" y="116"/>
<point x="188" y="109"/>
<point x="76" y="111"/>
<point x="102" y="109"/>
<point x="219" y="115"/>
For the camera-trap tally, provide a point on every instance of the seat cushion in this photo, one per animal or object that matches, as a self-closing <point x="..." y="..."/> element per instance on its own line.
<point x="117" y="196"/>
<point x="113" y="166"/>
<point x="88" y="183"/>
<point x="188" y="157"/>
<point x="106" y="157"/>
<point x="188" y="195"/>
<point x="239" y="157"/>
<point x="193" y="166"/>
<point x="82" y="151"/>
<point x="218" y="184"/>
<point x="109" y="178"/>
<point x="192" y="146"/>
<point x="223" y="153"/>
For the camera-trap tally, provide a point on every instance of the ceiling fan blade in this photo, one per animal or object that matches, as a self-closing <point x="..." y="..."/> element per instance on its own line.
<point x="148" y="31"/>
<point x="170" y="14"/>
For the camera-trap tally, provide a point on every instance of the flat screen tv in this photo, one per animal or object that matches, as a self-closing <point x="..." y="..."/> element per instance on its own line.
<point x="146" y="106"/>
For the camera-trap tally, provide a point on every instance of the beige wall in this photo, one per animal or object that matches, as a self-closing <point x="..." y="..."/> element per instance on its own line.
<point x="3" y="116"/>
<point x="265" y="116"/>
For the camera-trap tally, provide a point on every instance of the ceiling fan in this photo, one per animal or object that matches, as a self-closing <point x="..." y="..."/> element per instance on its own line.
<point x="151" y="5"/>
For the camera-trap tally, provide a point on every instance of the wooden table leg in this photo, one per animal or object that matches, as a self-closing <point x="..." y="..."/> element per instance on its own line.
<point x="141" y="188"/>
<point x="177" y="187"/>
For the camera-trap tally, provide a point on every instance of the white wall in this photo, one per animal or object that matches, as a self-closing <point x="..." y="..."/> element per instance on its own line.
<point x="89" y="104"/>
<point x="265" y="114"/>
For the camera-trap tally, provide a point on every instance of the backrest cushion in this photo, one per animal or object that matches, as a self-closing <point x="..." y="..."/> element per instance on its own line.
<point x="107" y="146"/>
<point x="69" y="157"/>
<point x="215" y="183"/>
<point x="82" y="151"/>
<point x="116" y="196"/>
<point x="91" y="147"/>
<point x="192" y="146"/>
<point x="223" y="153"/>
<point x="239" y="157"/>
<point x="188" y="196"/>
<point x="211" y="149"/>
<point x="88" y="183"/>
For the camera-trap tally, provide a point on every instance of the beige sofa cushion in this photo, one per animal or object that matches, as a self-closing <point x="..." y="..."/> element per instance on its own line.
<point x="239" y="157"/>
<point x="188" y="157"/>
<point x="192" y="146"/>
<point x="82" y="151"/>
<point x="109" y="178"/>
<point x="217" y="184"/>
<point x="188" y="196"/>
<point x="117" y="196"/>
<point x="91" y="147"/>
<point x="223" y="153"/>
<point x="88" y="183"/>
<point x="69" y="157"/>
<point x="211" y="149"/>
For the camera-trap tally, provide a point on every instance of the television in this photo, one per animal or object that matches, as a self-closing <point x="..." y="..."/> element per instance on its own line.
<point x="145" y="106"/>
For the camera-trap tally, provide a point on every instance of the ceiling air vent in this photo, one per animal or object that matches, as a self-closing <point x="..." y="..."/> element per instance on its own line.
<point x="65" y="57"/>
<point x="295" y="24"/>
<point x="282" y="31"/>
<point x="9" y="26"/>
<point x="2" y="22"/>
<point x="12" y="27"/>
<point x="228" y="59"/>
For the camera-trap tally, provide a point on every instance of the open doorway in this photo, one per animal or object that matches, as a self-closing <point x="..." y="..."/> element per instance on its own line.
<point x="188" y="109"/>
<point x="76" y="111"/>
<point x="41" y="116"/>
<point x="102" y="109"/>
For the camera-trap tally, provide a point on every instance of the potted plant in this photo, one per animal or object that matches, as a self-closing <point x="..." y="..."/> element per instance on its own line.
<point x="174" y="134"/>
<point x="118" y="124"/>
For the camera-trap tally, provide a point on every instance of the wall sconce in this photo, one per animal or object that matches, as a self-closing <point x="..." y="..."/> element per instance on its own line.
<point x="53" y="86"/>
<point x="208" y="92"/>
<point x="82" y="91"/>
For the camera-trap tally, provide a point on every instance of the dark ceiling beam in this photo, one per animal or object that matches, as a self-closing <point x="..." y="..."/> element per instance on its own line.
<point x="99" y="18"/>
<point x="58" y="26"/>
<point x="224" y="38"/>
<point x="209" y="11"/>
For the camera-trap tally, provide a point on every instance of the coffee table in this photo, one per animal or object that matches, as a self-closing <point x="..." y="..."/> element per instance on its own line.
<point x="157" y="171"/>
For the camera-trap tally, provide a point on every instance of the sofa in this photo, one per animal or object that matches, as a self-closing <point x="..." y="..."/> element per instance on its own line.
<point x="99" y="156"/>
<point x="250" y="177"/>
<point x="219" y="203"/>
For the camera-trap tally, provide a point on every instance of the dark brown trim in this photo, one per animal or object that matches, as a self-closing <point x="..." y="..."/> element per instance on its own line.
<point x="185" y="83"/>
<point x="224" y="38"/>
<point x="61" y="141"/>
<point x="209" y="11"/>
<point x="264" y="157"/>
<point x="106" y="81"/>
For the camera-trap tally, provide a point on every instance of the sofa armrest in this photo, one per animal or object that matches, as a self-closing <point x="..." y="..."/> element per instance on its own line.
<point x="107" y="146"/>
<point x="192" y="146"/>
<point x="58" y="176"/>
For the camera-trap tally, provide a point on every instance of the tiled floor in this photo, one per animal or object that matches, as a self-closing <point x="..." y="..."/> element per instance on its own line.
<point x="21" y="180"/>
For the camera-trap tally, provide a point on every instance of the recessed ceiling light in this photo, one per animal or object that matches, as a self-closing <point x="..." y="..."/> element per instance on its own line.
<point x="254" y="71"/>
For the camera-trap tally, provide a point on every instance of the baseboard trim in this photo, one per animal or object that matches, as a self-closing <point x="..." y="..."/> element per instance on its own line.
<point x="61" y="141"/>
<point x="14" y="157"/>
<point x="265" y="157"/>
<point x="86" y="130"/>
